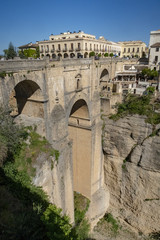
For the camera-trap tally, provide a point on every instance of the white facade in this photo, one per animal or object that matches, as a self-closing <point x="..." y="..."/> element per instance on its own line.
<point x="154" y="50"/>
<point x="70" y="45"/>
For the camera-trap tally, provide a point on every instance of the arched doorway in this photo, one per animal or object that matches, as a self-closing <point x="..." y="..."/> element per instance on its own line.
<point x="72" y="55"/>
<point x="26" y="98"/>
<point x="104" y="78"/>
<point x="53" y="56"/>
<point x="85" y="55"/>
<point x="80" y="134"/>
<point x="65" y="55"/>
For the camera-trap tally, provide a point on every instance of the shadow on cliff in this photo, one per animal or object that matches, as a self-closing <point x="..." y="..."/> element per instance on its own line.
<point x="22" y="211"/>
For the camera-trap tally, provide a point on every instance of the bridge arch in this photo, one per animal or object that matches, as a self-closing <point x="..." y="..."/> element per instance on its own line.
<point x="104" y="78"/>
<point x="79" y="128"/>
<point x="26" y="98"/>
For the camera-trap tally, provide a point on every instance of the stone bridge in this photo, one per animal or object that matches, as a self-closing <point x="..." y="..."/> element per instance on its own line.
<point x="63" y="98"/>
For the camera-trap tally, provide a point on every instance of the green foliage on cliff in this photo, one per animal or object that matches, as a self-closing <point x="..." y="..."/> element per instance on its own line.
<point x="142" y="105"/>
<point x="109" y="224"/>
<point x="82" y="226"/>
<point x="25" y="210"/>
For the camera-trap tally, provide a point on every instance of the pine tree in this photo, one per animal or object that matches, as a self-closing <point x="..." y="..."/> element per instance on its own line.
<point x="10" y="53"/>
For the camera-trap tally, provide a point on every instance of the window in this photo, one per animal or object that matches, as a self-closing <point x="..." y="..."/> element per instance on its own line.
<point x="65" y="47"/>
<point x="71" y="46"/>
<point x="137" y="49"/>
<point x="94" y="47"/>
<point x="47" y="48"/>
<point x="85" y="46"/>
<point x="59" y="47"/>
<point x="157" y="49"/>
<point x="133" y="50"/>
<point x="90" y="46"/>
<point x="79" y="46"/>
<point x="128" y="50"/>
<point x="156" y="58"/>
<point x="124" y="50"/>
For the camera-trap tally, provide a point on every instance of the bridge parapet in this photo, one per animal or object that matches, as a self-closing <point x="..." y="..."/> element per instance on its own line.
<point x="22" y="64"/>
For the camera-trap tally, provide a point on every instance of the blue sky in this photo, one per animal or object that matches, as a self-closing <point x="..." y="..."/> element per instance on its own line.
<point x="24" y="21"/>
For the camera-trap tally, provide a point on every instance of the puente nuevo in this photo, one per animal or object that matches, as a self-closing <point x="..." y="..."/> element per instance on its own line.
<point x="66" y="100"/>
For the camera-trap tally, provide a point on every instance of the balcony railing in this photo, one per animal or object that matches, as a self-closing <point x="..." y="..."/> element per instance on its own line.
<point x="71" y="50"/>
<point x="47" y="51"/>
<point x="41" y="51"/>
<point x="78" y="49"/>
<point x="65" y="50"/>
<point x="52" y="50"/>
<point x="58" y="50"/>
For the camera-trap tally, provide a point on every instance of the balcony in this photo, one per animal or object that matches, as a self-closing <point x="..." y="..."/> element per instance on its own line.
<point x="65" y="50"/>
<point x="52" y="50"/>
<point x="41" y="51"/>
<point x="58" y="50"/>
<point x="47" y="51"/>
<point x="78" y="49"/>
<point x="71" y="50"/>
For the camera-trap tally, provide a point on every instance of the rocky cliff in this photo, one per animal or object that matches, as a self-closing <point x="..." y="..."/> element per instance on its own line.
<point x="132" y="171"/>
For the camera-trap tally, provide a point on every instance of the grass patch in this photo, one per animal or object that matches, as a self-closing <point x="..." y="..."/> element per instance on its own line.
<point x="108" y="224"/>
<point x="28" y="152"/>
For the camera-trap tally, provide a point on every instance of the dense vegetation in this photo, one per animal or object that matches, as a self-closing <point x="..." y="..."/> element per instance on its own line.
<point x="32" y="53"/>
<point x="25" y="211"/>
<point x="143" y="105"/>
<point x="149" y="74"/>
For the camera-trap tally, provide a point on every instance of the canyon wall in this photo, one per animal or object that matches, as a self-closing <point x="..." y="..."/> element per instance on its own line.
<point x="132" y="171"/>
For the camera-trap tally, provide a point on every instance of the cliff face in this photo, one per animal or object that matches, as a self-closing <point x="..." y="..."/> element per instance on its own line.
<point x="132" y="171"/>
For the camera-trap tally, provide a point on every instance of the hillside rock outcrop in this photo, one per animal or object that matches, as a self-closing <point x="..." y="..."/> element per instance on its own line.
<point x="132" y="171"/>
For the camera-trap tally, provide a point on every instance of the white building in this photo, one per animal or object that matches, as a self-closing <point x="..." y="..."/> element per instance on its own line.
<point x="154" y="50"/>
<point x="77" y="44"/>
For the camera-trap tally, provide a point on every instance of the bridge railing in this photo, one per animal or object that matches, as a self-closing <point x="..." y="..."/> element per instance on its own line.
<point x="22" y="64"/>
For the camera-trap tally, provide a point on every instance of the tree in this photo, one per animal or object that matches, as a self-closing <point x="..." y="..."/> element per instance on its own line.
<point x="10" y="53"/>
<point x="150" y="74"/>
<point x="91" y="54"/>
<point x="32" y="53"/>
<point x="111" y="54"/>
<point x="106" y="55"/>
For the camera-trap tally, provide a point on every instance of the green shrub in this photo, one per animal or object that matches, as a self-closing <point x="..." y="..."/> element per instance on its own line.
<point x="114" y="224"/>
<point x="91" y="54"/>
<point x="106" y="55"/>
<point x="82" y="226"/>
<point x="2" y="74"/>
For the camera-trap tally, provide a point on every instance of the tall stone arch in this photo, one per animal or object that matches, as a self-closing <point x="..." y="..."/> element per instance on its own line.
<point x="80" y="133"/>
